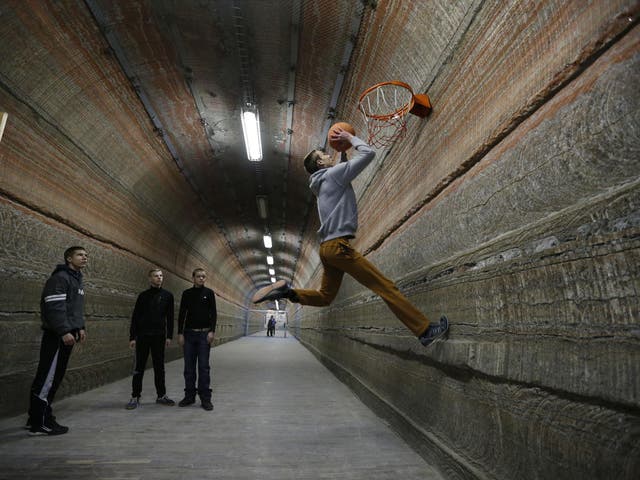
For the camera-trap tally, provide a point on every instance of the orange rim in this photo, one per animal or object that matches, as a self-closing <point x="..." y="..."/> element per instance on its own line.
<point x="400" y="111"/>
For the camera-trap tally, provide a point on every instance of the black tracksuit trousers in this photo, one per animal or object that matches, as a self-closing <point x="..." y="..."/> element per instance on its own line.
<point x="54" y="357"/>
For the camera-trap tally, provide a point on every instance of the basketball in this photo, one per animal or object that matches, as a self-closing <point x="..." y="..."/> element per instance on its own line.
<point x="340" y="145"/>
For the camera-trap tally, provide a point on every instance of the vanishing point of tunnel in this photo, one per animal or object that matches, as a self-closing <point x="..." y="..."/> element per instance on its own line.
<point x="512" y="207"/>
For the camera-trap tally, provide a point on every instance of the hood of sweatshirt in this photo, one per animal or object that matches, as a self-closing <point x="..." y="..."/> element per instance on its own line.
<point x="70" y="271"/>
<point x="316" y="180"/>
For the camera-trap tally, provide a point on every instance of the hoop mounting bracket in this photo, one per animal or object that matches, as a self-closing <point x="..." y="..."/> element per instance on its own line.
<point x="421" y="105"/>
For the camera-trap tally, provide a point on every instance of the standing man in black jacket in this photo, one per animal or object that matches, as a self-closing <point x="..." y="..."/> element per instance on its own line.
<point x="151" y="330"/>
<point x="61" y="311"/>
<point x="196" y="332"/>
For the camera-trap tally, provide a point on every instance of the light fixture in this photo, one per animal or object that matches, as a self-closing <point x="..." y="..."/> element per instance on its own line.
<point x="277" y="305"/>
<point x="251" y="129"/>
<point x="272" y="271"/>
<point x="3" y="122"/>
<point x="267" y="241"/>
<point x="269" y="260"/>
<point x="261" y="200"/>
<point x="273" y="279"/>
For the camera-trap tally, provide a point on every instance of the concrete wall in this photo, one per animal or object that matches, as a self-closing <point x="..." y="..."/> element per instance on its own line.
<point x="80" y="163"/>
<point x="514" y="209"/>
<point x="31" y="246"/>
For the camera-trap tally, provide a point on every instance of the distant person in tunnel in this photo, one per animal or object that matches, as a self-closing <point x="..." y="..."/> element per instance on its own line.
<point x="271" y="327"/>
<point x="151" y="330"/>
<point x="338" y="211"/>
<point x="62" y="315"/>
<point x="196" y="332"/>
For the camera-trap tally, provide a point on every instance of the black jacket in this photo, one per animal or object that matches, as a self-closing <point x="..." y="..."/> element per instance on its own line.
<point x="153" y="314"/>
<point x="197" y="309"/>
<point x="62" y="302"/>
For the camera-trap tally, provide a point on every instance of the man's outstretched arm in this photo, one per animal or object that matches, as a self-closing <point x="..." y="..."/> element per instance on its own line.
<point x="363" y="156"/>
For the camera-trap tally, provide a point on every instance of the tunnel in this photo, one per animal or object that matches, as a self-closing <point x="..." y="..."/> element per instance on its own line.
<point x="510" y="204"/>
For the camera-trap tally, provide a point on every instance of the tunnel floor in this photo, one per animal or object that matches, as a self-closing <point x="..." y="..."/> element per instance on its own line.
<point x="278" y="414"/>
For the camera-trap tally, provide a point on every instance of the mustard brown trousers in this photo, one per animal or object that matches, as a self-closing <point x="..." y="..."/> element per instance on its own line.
<point x="339" y="257"/>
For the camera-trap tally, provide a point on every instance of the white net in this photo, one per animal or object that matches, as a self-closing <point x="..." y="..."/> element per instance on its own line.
<point x="385" y="109"/>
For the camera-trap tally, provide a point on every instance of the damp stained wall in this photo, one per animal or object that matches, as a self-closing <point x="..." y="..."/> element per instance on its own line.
<point x="513" y="209"/>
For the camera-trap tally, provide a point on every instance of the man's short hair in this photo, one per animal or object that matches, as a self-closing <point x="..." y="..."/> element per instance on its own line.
<point x="154" y="270"/>
<point x="311" y="161"/>
<point x="196" y="271"/>
<point x="70" y="251"/>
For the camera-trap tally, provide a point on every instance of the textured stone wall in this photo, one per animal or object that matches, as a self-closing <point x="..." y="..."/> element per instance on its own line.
<point x="81" y="163"/>
<point x="514" y="209"/>
<point x="31" y="246"/>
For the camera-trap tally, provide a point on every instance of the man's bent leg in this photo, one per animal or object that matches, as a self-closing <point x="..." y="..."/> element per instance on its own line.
<point x="354" y="263"/>
<point x="331" y="278"/>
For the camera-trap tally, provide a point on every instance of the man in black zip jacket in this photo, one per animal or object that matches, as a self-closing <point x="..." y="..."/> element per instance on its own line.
<point x="151" y="330"/>
<point x="196" y="332"/>
<point x="61" y="311"/>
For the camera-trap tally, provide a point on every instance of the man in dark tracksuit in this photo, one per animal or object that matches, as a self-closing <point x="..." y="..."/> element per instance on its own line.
<point x="196" y="332"/>
<point x="61" y="310"/>
<point x="151" y="330"/>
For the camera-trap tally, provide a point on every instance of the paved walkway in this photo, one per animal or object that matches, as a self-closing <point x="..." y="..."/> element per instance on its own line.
<point x="279" y="414"/>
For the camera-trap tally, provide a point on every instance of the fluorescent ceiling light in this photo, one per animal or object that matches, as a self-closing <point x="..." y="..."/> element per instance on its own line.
<point x="272" y="271"/>
<point x="3" y="122"/>
<point x="262" y="206"/>
<point x="269" y="260"/>
<point x="277" y="305"/>
<point x="273" y="279"/>
<point x="251" y="129"/>
<point x="267" y="241"/>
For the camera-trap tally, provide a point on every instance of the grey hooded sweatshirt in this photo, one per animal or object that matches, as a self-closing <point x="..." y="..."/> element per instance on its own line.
<point x="337" y="205"/>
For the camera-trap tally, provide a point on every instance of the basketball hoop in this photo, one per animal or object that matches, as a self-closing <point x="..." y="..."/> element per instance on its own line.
<point x="385" y="107"/>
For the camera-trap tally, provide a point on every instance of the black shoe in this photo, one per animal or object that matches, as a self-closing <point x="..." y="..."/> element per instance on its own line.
<point x="27" y="426"/>
<point x="435" y="332"/>
<point x="164" y="400"/>
<point x="51" y="423"/>
<point x="51" y="427"/>
<point x="42" y="430"/>
<point x="275" y="291"/>
<point x="186" y="401"/>
<point x="133" y="403"/>
<point x="206" y="404"/>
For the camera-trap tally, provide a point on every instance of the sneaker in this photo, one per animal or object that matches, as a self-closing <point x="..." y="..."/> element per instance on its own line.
<point x="186" y="401"/>
<point x="47" y="430"/>
<point x="133" y="403"/>
<point x="435" y="332"/>
<point x="207" y="405"/>
<point x="164" y="400"/>
<point x="27" y="426"/>
<point x="51" y="423"/>
<point x="275" y="291"/>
